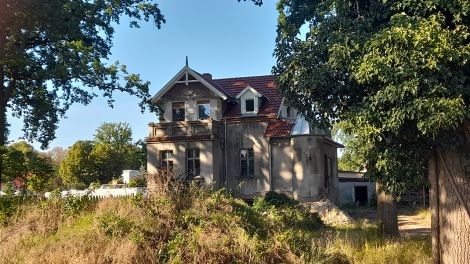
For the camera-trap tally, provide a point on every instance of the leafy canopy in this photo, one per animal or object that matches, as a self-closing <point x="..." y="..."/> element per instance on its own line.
<point x="102" y="159"/>
<point x="397" y="72"/>
<point x="56" y="52"/>
<point x="23" y="163"/>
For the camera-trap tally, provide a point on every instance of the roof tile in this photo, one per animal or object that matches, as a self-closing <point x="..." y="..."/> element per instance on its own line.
<point x="263" y="84"/>
<point x="278" y="128"/>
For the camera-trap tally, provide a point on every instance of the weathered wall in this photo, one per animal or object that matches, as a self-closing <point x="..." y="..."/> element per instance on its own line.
<point x="347" y="195"/>
<point x="187" y="94"/>
<point x="331" y="151"/>
<point x="307" y="169"/>
<point x="209" y="157"/>
<point x="281" y="165"/>
<point x="297" y="165"/>
<point x="247" y="135"/>
<point x="308" y="164"/>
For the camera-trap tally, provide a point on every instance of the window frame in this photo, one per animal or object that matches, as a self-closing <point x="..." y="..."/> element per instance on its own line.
<point x="194" y="158"/>
<point x="254" y="105"/>
<point x="168" y="160"/>
<point x="175" y="106"/>
<point x="250" y="163"/>
<point x="203" y="103"/>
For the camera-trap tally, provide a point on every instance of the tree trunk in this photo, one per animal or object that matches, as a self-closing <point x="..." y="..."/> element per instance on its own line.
<point x="3" y="34"/>
<point x="449" y="173"/>
<point x="387" y="212"/>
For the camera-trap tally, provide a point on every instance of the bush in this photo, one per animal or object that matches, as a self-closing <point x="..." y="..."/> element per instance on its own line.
<point x="8" y="206"/>
<point x="274" y="199"/>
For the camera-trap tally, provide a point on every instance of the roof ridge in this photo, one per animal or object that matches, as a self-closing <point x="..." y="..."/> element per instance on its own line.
<point x="245" y="77"/>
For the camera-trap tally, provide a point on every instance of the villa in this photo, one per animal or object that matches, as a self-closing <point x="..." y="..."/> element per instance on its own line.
<point x="240" y="134"/>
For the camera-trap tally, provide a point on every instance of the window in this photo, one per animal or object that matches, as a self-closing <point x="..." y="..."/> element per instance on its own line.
<point x="204" y="109"/>
<point x="178" y="111"/>
<point x="194" y="164"/>
<point x="247" y="162"/>
<point x="288" y="109"/>
<point x="249" y="105"/>
<point x="167" y="159"/>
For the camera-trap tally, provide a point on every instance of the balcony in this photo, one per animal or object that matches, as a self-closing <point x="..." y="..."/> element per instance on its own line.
<point x="168" y="131"/>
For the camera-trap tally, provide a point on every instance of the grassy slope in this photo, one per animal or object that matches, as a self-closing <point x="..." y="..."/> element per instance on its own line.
<point x="192" y="226"/>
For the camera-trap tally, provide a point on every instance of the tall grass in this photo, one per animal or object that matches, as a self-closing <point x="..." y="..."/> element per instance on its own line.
<point x="184" y="224"/>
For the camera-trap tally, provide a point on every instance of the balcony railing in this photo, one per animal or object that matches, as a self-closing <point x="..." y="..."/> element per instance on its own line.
<point x="167" y="130"/>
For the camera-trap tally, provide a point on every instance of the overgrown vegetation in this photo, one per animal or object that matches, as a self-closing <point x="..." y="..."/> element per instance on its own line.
<point x="184" y="224"/>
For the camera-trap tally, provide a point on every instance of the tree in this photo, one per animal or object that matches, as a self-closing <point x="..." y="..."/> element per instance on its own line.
<point x="398" y="71"/>
<point x="22" y="162"/>
<point x="40" y="174"/>
<point x="114" y="150"/>
<point x="14" y="166"/>
<point x="350" y="159"/>
<point x="57" y="155"/>
<point x="54" y="53"/>
<point x="102" y="159"/>
<point x="78" y="170"/>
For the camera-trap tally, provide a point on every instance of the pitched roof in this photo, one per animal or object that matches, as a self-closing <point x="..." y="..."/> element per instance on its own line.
<point x="190" y="72"/>
<point x="265" y="85"/>
<point x="278" y="128"/>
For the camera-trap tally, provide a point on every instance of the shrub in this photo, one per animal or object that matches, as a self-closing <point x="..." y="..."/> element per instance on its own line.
<point x="8" y="205"/>
<point x="274" y="199"/>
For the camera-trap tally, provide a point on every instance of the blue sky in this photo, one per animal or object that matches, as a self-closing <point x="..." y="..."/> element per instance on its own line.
<point x="226" y="38"/>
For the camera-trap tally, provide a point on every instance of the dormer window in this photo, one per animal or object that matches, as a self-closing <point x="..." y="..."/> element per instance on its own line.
<point x="249" y="105"/>
<point x="250" y="101"/>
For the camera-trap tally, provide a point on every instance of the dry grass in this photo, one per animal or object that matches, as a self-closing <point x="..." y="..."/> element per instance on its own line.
<point x="190" y="225"/>
<point x="363" y="243"/>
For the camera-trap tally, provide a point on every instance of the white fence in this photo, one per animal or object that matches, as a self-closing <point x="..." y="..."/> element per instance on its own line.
<point x="103" y="192"/>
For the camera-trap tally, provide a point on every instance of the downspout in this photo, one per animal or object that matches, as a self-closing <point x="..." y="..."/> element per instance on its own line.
<point x="225" y="153"/>
<point x="270" y="165"/>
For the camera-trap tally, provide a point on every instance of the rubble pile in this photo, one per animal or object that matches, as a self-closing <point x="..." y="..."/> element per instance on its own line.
<point x="329" y="213"/>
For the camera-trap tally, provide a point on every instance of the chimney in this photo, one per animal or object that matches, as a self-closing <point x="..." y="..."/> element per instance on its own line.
<point x="207" y="76"/>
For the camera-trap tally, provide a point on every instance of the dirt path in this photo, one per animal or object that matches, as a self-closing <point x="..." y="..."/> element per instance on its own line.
<point x="409" y="222"/>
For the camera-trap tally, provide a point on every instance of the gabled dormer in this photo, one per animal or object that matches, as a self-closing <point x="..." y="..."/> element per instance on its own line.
<point x="250" y="101"/>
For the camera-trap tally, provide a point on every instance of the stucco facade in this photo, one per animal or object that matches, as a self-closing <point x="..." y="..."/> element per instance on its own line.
<point x="237" y="134"/>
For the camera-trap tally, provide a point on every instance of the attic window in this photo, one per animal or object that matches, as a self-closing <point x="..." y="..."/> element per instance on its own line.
<point x="249" y="105"/>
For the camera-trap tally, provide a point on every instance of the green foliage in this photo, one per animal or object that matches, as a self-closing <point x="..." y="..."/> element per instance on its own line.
<point x="395" y="72"/>
<point x="22" y="162"/>
<point x="115" y="226"/>
<point x="8" y="206"/>
<point x="102" y="159"/>
<point x="78" y="169"/>
<point x="41" y="172"/>
<point x="138" y="181"/>
<point x="273" y="199"/>
<point x="72" y="205"/>
<point x="48" y="62"/>
<point x="114" y="151"/>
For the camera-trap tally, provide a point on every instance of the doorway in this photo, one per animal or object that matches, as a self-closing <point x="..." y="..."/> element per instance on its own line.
<point x="360" y="195"/>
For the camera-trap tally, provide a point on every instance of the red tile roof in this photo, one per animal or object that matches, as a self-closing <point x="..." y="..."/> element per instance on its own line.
<point x="278" y="128"/>
<point x="265" y="85"/>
